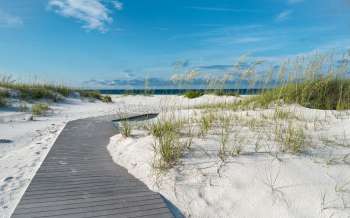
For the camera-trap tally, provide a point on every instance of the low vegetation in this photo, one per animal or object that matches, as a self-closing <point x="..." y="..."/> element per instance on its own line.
<point x="193" y="94"/>
<point x="40" y="109"/>
<point x="37" y="91"/>
<point x="167" y="146"/>
<point x="3" y="96"/>
<point x="220" y="92"/>
<point x="329" y="93"/>
<point x="126" y="128"/>
<point x="160" y="127"/>
<point x="43" y="91"/>
<point x="263" y="122"/>
<point x="291" y="138"/>
<point x="106" y="99"/>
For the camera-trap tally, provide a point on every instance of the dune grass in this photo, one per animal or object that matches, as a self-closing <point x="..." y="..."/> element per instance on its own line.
<point x="40" y="109"/>
<point x="193" y="94"/>
<point x="167" y="146"/>
<point x="3" y="101"/>
<point x="38" y="91"/>
<point x="220" y="92"/>
<point x="126" y="128"/>
<point x="329" y="93"/>
<point x="3" y="96"/>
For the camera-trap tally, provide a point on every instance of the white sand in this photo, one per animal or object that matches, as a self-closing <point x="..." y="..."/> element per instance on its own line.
<point x="315" y="184"/>
<point x="312" y="184"/>
<point x="31" y="140"/>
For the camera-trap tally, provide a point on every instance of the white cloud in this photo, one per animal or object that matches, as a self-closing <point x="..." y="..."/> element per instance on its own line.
<point x="284" y="15"/>
<point x="9" y="20"/>
<point x="93" y="13"/>
<point x="294" y="1"/>
<point x="117" y="5"/>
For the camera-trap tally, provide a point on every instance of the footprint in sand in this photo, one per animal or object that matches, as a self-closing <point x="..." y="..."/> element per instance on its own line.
<point x="5" y="141"/>
<point x="7" y="179"/>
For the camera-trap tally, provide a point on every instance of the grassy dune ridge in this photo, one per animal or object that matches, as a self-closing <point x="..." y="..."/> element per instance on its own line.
<point x="273" y="116"/>
<point x="39" y="91"/>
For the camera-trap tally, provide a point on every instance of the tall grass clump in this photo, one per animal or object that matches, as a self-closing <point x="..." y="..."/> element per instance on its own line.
<point x="159" y="127"/>
<point x="206" y="122"/>
<point x="318" y="82"/>
<point x="3" y="101"/>
<point x="330" y="93"/>
<point x="126" y="128"/>
<point x="168" y="147"/>
<point x="90" y="94"/>
<point x="3" y="96"/>
<point x="224" y="133"/>
<point x="40" y="109"/>
<point x="290" y="138"/>
<point x="220" y="92"/>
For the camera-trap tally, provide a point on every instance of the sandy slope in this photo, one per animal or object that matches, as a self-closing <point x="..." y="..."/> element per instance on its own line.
<point x="312" y="184"/>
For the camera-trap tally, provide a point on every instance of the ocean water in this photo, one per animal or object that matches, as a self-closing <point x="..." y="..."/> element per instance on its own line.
<point x="173" y="91"/>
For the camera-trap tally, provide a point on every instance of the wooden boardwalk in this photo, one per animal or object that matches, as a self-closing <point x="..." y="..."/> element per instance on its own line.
<point x="79" y="179"/>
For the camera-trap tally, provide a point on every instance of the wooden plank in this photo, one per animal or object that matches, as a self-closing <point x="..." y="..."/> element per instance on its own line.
<point x="79" y="179"/>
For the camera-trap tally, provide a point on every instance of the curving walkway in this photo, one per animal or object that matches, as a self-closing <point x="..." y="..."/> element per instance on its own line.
<point x="79" y="179"/>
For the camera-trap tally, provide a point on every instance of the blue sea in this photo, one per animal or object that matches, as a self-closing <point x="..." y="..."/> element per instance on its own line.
<point x="173" y="91"/>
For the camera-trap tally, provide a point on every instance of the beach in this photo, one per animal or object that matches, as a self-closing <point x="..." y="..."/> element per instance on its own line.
<point x="254" y="182"/>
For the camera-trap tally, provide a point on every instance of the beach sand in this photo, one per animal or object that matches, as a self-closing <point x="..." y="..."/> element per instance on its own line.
<point x="25" y="143"/>
<point x="255" y="184"/>
<point x="315" y="183"/>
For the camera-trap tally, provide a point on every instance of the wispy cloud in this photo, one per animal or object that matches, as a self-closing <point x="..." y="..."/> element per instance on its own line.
<point x="9" y="20"/>
<point x="284" y="15"/>
<point x="94" y="14"/>
<point x="224" y="9"/>
<point x="118" y="5"/>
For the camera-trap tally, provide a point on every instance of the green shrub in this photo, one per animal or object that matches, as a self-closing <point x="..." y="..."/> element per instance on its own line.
<point x="221" y="92"/>
<point x="39" y="109"/>
<point x="193" y="94"/>
<point x="106" y="99"/>
<point x="90" y="94"/>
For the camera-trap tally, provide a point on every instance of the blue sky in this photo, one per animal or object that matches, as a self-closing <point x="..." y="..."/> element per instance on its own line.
<point x="73" y="41"/>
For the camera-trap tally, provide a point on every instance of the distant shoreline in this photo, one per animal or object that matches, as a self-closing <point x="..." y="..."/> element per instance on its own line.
<point x="174" y="91"/>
